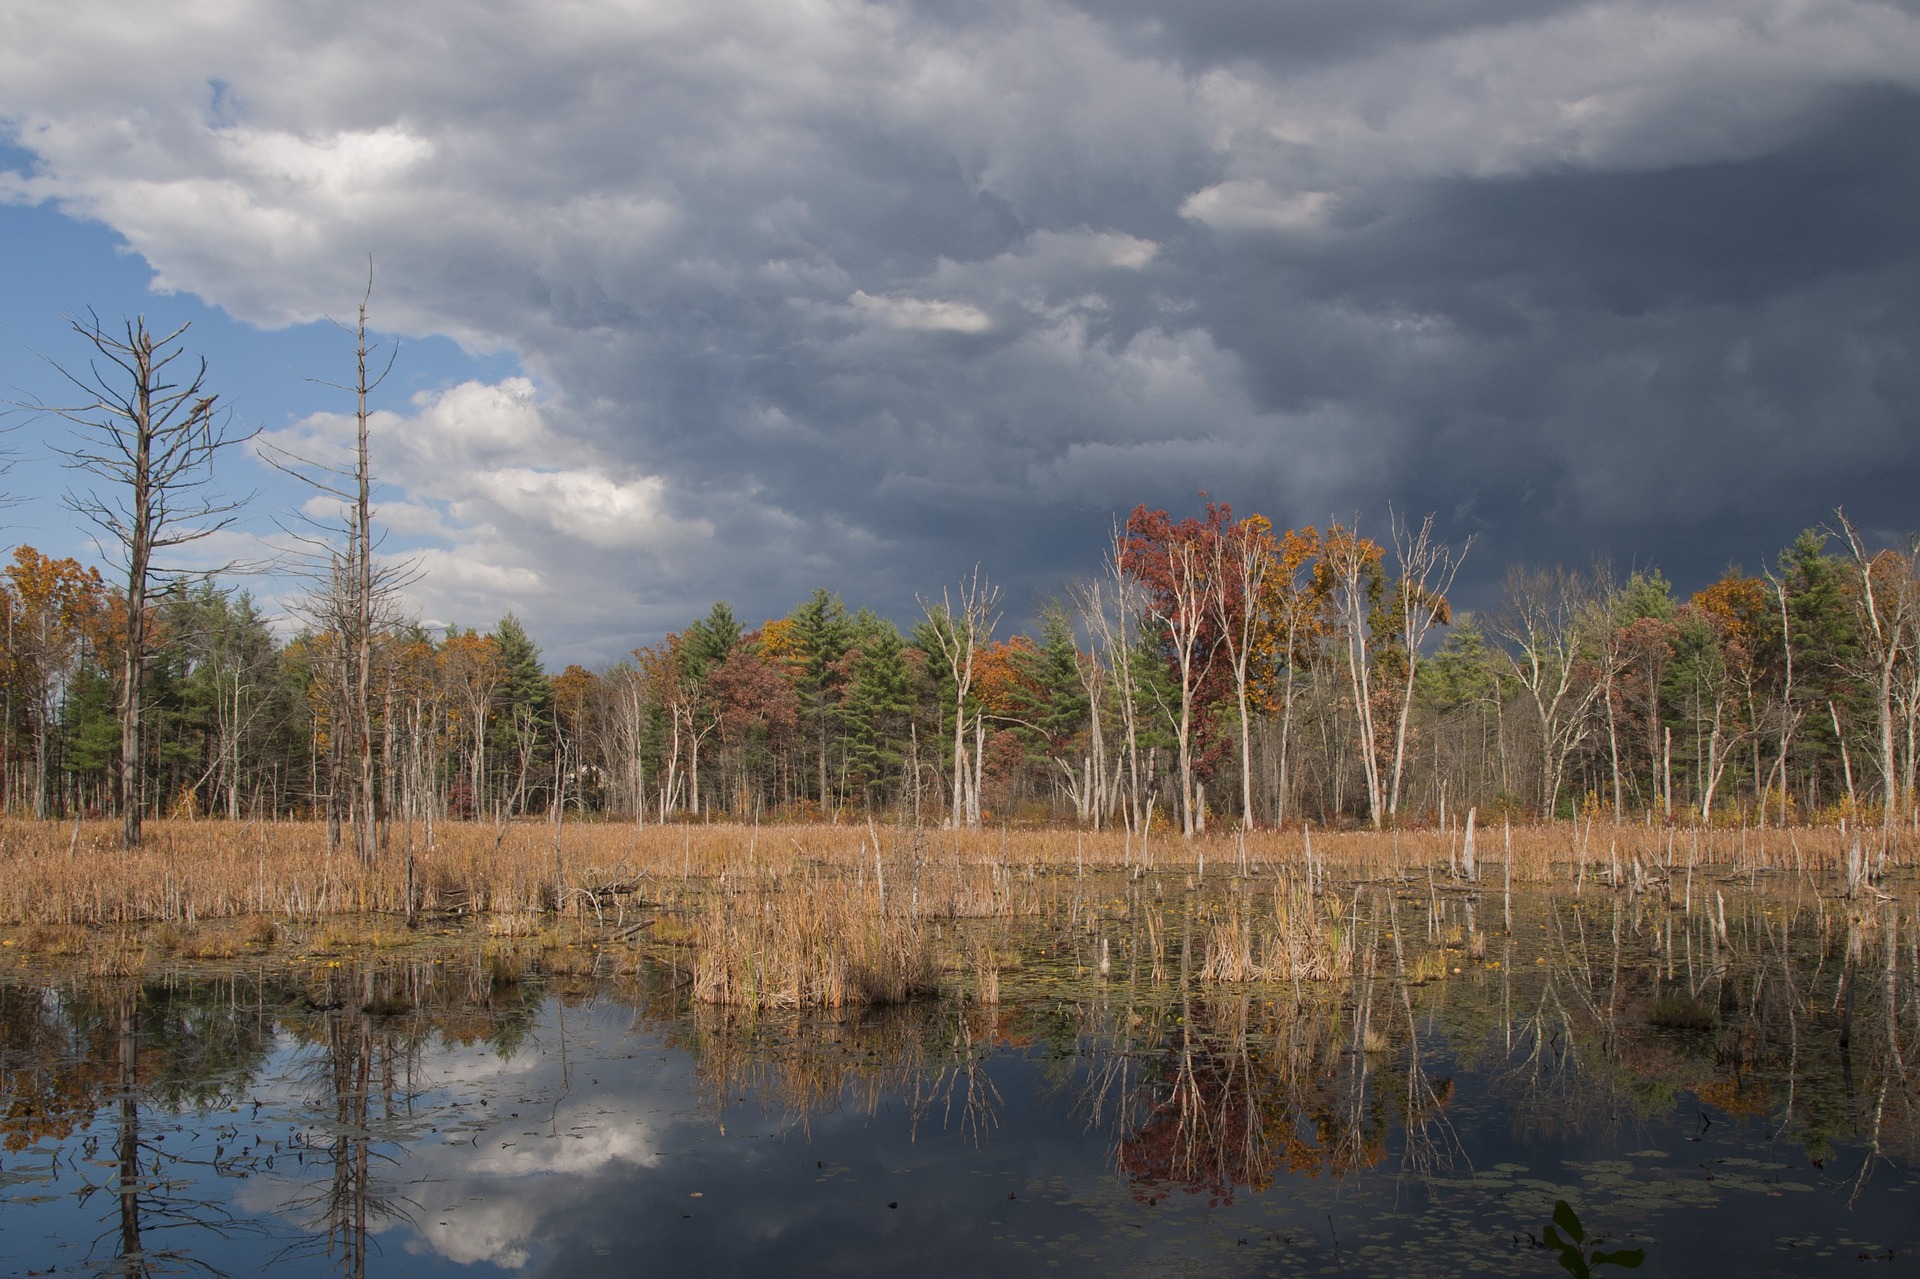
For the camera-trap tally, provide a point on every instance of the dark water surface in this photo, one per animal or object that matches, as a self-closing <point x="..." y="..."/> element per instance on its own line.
<point x="1736" y="1099"/>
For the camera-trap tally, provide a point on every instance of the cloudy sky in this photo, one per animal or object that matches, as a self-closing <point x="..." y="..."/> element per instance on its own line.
<point x="733" y="298"/>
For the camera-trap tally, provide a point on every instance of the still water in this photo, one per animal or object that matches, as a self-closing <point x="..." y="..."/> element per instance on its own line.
<point x="1733" y="1092"/>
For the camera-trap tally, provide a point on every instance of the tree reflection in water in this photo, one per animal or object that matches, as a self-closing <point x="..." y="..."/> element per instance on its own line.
<point x="1592" y="1012"/>
<point x="114" y="1054"/>
<point x="362" y="1047"/>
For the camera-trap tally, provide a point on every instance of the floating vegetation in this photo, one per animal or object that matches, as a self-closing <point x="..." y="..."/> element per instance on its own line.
<point x="1677" y="1010"/>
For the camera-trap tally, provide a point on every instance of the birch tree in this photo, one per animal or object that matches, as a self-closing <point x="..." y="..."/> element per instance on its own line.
<point x="1427" y="569"/>
<point x="1540" y="622"/>
<point x="1886" y="605"/>
<point x="1242" y="560"/>
<point x="960" y="633"/>
<point x="1353" y="567"/>
<point x="1110" y="608"/>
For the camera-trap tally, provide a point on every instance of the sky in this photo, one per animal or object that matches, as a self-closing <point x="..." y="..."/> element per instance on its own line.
<point x="730" y="299"/>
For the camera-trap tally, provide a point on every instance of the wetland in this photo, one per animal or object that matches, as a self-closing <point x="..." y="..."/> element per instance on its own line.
<point x="1150" y="1069"/>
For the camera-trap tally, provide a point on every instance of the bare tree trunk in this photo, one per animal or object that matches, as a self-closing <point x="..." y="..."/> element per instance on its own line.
<point x="1242" y="559"/>
<point x="154" y="442"/>
<point x="1354" y="562"/>
<point x="1184" y="620"/>
<point x="959" y="636"/>
<point x="1427" y="570"/>
<point x="127" y="1144"/>
<point x="134" y="660"/>
<point x="1886" y="605"/>
<point x="360" y="709"/>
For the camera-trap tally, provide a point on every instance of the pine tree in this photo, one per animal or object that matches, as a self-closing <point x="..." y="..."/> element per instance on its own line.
<point x="707" y="642"/>
<point x="522" y="732"/>
<point x="877" y="707"/>
<point x="822" y="634"/>
<point x="1825" y="646"/>
<point x="1050" y="697"/>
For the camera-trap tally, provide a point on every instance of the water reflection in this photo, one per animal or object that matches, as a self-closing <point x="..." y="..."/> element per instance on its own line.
<point x="472" y="1109"/>
<point x="85" y="1069"/>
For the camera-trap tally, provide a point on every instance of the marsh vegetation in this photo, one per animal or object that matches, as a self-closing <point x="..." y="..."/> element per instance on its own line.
<point x="1353" y="1065"/>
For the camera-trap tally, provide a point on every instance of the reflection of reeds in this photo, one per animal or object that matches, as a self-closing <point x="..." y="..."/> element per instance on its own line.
<point x="807" y="1063"/>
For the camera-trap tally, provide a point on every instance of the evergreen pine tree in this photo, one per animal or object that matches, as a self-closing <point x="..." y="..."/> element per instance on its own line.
<point x="522" y="733"/>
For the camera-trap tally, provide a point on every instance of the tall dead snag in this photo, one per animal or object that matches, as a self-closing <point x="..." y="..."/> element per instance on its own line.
<point x="960" y="634"/>
<point x="1110" y="608"/>
<point x="1542" y="622"/>
<point x="1090" y="786"/>
<point x="1886" y="605"/>
<point x="149" y="433"/>
<point x="1610" y="660"/>
<point x="1243" y="557"/>
<point x="1427" y="569"/>
<point x="353" y="598"/>
<point x="1352" y="565"/>
<point x="1790" y="712"/>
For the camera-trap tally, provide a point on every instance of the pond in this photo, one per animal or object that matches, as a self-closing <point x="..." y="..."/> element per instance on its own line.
<point x="1728" y="1089"/>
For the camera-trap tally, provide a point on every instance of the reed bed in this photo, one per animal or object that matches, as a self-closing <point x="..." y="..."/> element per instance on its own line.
<point x="802" y="944"/>
<point x="66" y="873"/>
<point x="1299" y="937"/>
<point x="847" y="916"/>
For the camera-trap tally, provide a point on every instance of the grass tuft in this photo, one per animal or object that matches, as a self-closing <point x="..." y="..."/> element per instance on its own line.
<point x="1676" y="1010"/>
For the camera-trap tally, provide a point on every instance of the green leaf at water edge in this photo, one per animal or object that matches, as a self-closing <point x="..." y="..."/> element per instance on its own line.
<point x="1625" y="1258"/>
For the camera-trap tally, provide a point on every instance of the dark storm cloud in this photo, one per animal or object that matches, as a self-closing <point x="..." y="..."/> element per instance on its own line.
<point x="1684" y="363"/>
<point x="1303" y="34"/>
<point x="860" y="295"/>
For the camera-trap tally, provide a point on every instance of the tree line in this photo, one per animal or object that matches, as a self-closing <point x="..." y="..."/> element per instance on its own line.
<point x="1216" y="670"/>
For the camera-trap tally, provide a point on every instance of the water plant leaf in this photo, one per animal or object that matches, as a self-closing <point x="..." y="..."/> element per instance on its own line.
<point x="1625" y="1258"/>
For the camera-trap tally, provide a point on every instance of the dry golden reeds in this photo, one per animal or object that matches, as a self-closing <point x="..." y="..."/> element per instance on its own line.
<point x="1301" y="938"/>
<point x="826" y="916"/>
<point x="191" y="870"/>
<point x="803" y="944"/>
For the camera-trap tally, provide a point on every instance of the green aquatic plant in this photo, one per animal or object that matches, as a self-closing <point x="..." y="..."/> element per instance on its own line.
<point x="1681" y="1012"/>
<point x="1579" y="1255"/>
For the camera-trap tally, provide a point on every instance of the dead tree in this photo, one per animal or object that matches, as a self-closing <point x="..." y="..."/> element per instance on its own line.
<point x="1353" y="567"/>
<point x="150" y="435"/>
<point x="1886" y="606"/>
<point x="353" y="598"/>
<point x="1243" y="556"/>
<point x="1183" y="614"/>
<point x="1543" y="624"/>
<point x="960" y="634"/>
<point x="1427" y="570"/>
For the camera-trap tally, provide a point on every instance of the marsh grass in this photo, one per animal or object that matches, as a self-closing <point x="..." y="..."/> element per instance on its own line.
<point x="772" y="917"/>
<point x="801" y="944"/>
<point x="1295" y="936"/>
<point x="187" y="871"/>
